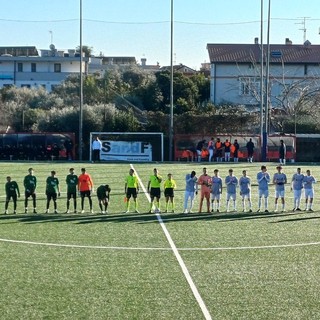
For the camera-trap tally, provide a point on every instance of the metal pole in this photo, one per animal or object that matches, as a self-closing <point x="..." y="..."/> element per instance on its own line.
<point x="81" y="90"/>
<point x="171" y="91"/>
<point x="261" y="84"/>
<point x="267" y="95"/>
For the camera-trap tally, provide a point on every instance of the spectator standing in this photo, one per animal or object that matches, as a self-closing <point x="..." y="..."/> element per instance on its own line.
<point x="131" y="189"/>
<point x="169" y="186"/>
<point x="96" y="149"/>
<point x="263" y="179"/>
<point x="216" y="191"/>
<point x="190" y="191"/>
<point x="68" y="144"/>
<point x="12" y="192"/>
<point x="282" y="152"/>
<point x="296" y="187"/>
<point x="85" y="187"/>
<point x="30" y="185"/>
<point x="308" y="182"/>
<point x="103" y="194"/>
<point x="211" y="148"/>
<point x="245" y="190"/>
<point x="279" y="179"/>
<point x="72" y="183"/>
<point x="231" y="183"/>
<point x="154" y="190"/>
<point x="227" y="150"/>
<point x="205" y="183"/>
<point x="218" y="148"/>
<point x="236" y="148"/>
<point x="199" y="148"/>
<point x="250" y="150"/>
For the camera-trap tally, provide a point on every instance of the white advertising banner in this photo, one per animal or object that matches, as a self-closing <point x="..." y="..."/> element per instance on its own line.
<point x="126" y="151"/>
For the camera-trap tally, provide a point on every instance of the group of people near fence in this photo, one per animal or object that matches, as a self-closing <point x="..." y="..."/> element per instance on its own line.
<point x="81" y="185"/>
<point x="211" y="189"/>
<point x="216" y="150"/>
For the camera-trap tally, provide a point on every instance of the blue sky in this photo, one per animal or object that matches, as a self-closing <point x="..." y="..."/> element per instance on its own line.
<point x="141" y="28"/>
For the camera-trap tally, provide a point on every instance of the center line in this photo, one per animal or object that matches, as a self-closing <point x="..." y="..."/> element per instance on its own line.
<point x="178" y="256"/>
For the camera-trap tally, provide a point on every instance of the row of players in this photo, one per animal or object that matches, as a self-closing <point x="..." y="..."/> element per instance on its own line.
<point x="81" y="184"/>
<point x="211" y="187"/>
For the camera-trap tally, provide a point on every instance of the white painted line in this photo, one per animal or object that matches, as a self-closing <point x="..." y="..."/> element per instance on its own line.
<point x="83" y="246"/>
<point x="61" y="245"/>
<point x="178" y="257"/>
<point x="294" y="245"/>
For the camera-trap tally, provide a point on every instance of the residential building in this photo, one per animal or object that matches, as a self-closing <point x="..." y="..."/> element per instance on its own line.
<point x="236" y="71"/>
<point x="24" y="67"/>
<point x="180" y="68"/>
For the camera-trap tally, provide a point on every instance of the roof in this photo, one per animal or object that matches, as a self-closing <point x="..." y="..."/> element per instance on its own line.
<point x="249" y="53"/>
<point x="19" y="51"/>
<point x="179" y="67"/>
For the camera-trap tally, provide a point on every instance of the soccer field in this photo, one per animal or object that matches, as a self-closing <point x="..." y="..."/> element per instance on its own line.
<point x="236" y="265"/>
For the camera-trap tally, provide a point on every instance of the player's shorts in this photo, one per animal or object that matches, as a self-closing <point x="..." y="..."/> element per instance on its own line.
<point x="155" y="193"/>
<point x="308" y="193"/>
<point x="52" y="195"/>
<point x="297" y="193"/>
<point x="263" y="193"/>
<point x="12" y="196"/>
<point x="246" y="195"/>
<point x="71" y="195"/>
<point x="131" y="192"/>
<point x="189" y="194"/>
<point x="231" y="195"/>
<point x="29" y="193"/>
<point x="86" y="193"/>
<point x="104" y="199"/>
<point x="215" y="196"/>
<point x="168" y="192"/>
<point x="279" y="193"/>
<point x="205" y="194"/>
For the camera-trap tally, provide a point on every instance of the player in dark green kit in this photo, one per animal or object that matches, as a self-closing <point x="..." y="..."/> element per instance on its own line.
<point x="72" y="184"/>
<point x="52" y="191"/>
<point x="30" y="185"/>
<point x="12" y="191"/>
<point x="103" y="194"/>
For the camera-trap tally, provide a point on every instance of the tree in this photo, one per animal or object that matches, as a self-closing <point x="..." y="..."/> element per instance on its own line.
<point x="86" y="49"/>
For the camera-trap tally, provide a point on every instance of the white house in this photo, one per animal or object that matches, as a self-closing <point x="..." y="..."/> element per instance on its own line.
<point x="24" y="67"/>
<point x="236" y="69"/>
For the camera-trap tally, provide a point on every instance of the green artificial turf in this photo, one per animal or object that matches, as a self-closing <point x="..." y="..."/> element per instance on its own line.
<point x="121" y="266"/>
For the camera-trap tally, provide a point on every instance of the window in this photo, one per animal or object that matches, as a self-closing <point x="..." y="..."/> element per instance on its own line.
<point x="33" y="67"/>
<point x="57" y="67"/>
<point x="20" y="67"/>
<point x="249" y="86"/>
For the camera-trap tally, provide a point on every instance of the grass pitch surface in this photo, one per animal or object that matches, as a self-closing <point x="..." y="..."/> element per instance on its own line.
<point x="121" y="266"/>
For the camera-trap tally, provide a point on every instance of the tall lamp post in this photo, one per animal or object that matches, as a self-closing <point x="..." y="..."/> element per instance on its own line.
<point x="267" y="99"/>
<point x="81" y="90"/>
<point x="261" y="81"/>
<point x="171" y="89"/>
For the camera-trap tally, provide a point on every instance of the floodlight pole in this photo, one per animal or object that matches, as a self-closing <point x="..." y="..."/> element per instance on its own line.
<point x="261" y="84"/>
<point x="171" y="90"/>
<point x="267" y="93"/>
<point x="81" y="90"/>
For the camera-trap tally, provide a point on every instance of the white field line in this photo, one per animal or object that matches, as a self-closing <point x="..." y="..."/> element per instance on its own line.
<point x="178" y="257"/>
<point x="61" y="245"/>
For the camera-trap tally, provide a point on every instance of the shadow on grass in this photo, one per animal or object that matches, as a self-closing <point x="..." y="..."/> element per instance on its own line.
<point x="152" y="218"/>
